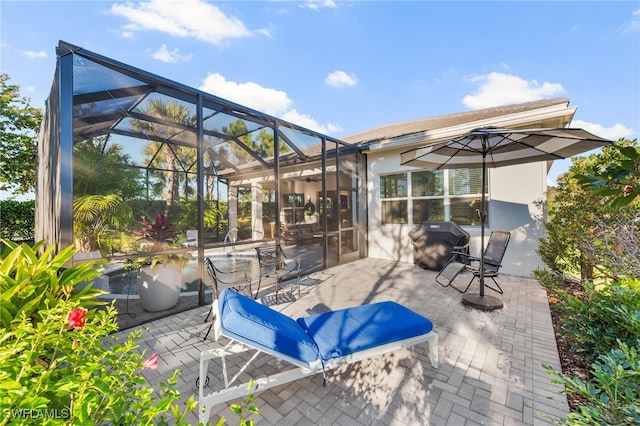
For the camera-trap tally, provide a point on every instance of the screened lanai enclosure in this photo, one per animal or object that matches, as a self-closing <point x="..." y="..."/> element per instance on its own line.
<point x="127" y="159"/>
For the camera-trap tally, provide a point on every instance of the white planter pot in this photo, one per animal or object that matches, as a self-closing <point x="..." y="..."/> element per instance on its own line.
<point x="159" y="288"/>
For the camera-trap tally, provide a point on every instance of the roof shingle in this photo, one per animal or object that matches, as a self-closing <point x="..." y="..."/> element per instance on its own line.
<point x="393" y="130"/>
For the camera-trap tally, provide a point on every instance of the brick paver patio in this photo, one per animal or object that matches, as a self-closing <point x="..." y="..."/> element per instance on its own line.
<point x="490" y="362"/>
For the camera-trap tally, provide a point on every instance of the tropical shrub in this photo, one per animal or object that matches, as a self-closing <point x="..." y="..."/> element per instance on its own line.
<point x="550" y="281"/>
<point x="244" y="409"/>
<point x="607" y="315"/>
<point x="618" y="181"/>
<point x="69" y="369"/>
<point x="60" y="362"/>
<point x="592" y="227"/>
<point x="31" y="283"/>
<point x="17" y="219"/>
<point x="612" y="398"/>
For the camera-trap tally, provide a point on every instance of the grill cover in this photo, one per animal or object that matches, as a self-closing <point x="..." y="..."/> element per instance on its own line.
<point x="433" y="242"/>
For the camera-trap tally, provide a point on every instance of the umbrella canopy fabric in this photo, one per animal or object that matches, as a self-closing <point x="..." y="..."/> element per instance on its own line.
<point x="502" y="147"/>
<point x="493" y="147"/>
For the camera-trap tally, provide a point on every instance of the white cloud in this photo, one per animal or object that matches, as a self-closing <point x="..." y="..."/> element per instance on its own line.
<point x="308" y="122"/>
<point x="171" y="56"/>
<point x="633" y="25"/>
<point x="496" y="89"/>
<point x="270" y="101"/>
<point x="185" y="18"/>
<point x="317" y="4"/>
<point x="613" y="133"/>
<point x="252" y="95"/>
<point x="423" y="84"/>
<point x="31" y="54"/>
<point x="341" y="79"/>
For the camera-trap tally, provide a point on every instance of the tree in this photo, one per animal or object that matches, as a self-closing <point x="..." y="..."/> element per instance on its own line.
<point x="617" y="241"/>
<point x="618" y="180"/>
<point x="585" y="233"/>
<point x="164" y="155"/>
<point x="19" y="126"/>
<point x="104" y="182"/>
<point x="103" y="168"/>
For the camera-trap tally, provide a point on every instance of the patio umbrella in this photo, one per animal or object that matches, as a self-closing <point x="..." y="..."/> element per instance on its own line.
<point x="494" y="147"/>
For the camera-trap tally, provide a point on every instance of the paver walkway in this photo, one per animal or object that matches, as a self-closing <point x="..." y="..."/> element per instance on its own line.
<point x="490" y="362"/>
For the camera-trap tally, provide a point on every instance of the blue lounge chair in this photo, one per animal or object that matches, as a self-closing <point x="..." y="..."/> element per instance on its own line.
<point x="314" y="344"/>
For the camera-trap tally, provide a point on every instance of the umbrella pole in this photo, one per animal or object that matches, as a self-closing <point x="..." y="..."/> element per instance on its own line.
<point x="480" y="301"/>
<point x="483" y="215"/>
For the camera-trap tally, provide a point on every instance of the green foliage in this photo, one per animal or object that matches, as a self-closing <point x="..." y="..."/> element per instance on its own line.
<point x="94" y="216"/>
<point x="81" y="375"/>
<point x="17" y="219"/>
<point x="101" y="168"/>
<point x="164" y="160"/>
<point x="19" y="126"/>
<point x="159" y="231"/>
<point x="574" y="245"/>
<point x="30" y="283"/>
<point x="613" y="397"/>
<point x="245" y="409"/>
<point x="592" y="226"/>
<point x="571" y="210"/>
<point x="550" y="281"/>
<point x="608" y="315"/>
<point x="619" y="180"/>
<point x="104" y="184"/>
<point x="60" y="363"/>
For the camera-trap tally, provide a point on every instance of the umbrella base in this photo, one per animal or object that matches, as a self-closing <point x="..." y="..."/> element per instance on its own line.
<point x="485" y="303"/>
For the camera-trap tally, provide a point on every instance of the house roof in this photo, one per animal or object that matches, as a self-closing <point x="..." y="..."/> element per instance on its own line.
<point x="396" y="130"/>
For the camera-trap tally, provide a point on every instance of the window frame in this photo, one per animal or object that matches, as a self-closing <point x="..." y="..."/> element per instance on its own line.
<point x="448" y="200"/>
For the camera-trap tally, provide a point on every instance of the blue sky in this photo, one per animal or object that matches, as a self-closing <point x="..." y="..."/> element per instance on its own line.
<point x="343" y="67"/>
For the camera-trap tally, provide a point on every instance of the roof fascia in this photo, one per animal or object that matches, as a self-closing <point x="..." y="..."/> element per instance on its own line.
<point x="528" y="119"/>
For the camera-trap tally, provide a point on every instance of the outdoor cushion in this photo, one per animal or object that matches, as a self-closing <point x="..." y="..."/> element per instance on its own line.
<point x="246" y="318"/>
<point x="343" y="332"/>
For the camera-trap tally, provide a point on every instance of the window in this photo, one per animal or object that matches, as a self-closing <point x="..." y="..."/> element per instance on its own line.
<point x="465" y="181"/>
<point x="427" y="189"/>
<point x="426" y="183"/>
<point x="466" y="196"/>
<point x="393" y="192"/>
<point x="393" y="186"/>
<point x="293" y="208"/>
<point x="428" y="210"/>
<point x="432" y="195"/>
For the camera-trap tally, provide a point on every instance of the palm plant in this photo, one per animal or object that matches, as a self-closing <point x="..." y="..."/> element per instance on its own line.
<point x="104" y="182"/>
<point x="165" y="156"/>
<point x="94" y="215"/>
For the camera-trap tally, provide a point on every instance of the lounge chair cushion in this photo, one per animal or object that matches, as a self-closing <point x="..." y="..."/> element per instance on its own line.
<point x="343" y="332"/>
<point x="246" y="318"/>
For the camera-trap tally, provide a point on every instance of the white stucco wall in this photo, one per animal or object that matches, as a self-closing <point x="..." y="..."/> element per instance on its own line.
<point x="514" y="192"/>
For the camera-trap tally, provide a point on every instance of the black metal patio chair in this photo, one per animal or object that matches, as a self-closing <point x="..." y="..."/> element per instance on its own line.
<point x="461" y="261"/>
<point x="274" y="263"/>
<point x="236" y="280"/>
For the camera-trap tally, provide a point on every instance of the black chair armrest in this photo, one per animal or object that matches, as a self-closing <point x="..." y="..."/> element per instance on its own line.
<point x="486" y="261"/>
<point x="464" y="248"/>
